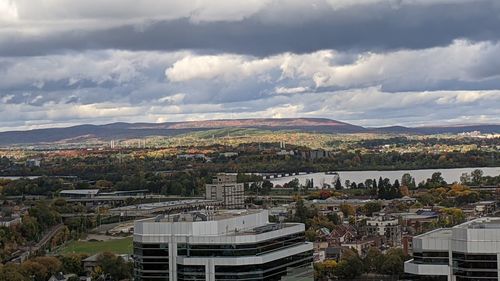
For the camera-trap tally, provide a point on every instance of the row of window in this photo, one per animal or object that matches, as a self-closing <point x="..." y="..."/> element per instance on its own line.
<point x="281" y="269"/>
<point x="236" y="250"/>
<point x="437" y="257"/>
<point x="475" y="266"/>
<point x="190" y="272"/>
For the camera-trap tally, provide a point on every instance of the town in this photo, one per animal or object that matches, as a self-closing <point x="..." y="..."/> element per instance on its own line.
<point x="251" y="140"/>
<point x="67" y="228"/>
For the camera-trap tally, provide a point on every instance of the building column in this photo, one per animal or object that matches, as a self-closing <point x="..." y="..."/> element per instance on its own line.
<point x="172" y="260"/>
<point x="498" y="265"/>
<point x="210" y="270"/>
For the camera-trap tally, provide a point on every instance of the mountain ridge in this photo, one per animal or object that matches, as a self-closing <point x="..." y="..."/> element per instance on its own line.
<point x="143" y="129"/>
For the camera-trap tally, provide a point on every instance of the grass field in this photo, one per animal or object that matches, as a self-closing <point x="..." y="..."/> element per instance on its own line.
<point x="117" y="246"/>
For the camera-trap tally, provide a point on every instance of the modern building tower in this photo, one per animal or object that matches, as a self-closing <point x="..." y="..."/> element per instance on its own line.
<point x="466" y="252"/>
<point x="221" y="245"/>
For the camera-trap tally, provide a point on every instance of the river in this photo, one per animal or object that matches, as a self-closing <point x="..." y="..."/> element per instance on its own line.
<point x="449" y="175"/>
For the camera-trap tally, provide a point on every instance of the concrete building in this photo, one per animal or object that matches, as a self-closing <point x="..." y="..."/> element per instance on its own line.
<point x="225" y="188"/>
<point x="221" y="245"/>
<point x="79" y="193"/>
<point x="387" y="227"/>
<point x="470" y="251"/>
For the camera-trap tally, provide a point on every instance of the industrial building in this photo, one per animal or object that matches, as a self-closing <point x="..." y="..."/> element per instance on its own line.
<point x="221" y="245"/>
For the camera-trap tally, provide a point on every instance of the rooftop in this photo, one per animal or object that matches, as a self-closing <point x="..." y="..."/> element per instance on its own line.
<point x="152" y="206"/>
<point x="80" y="191"/>
<point x="482" y="223"/>
<point x="204" y="215"/>
<point x="440" y="233"/>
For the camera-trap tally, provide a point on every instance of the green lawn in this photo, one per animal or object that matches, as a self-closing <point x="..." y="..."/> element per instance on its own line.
<point x="117" y="246"/>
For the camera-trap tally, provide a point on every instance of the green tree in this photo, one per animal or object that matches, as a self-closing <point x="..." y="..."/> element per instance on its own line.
<point x="301" y="212"/>
<point x="311" y="235"/>
<point x="294" y="184"/>
<point x="373" y="260"/>
<point x="36" y="270"/>
<point x="372" y="207"/>
<point x="338" y="185"/>
<point x="115" y="266"/>
<point x="477" y="177"/>
<point x="325" y="270"/>
<point x="13" y="272"/>
<point x="266" y="187"/>
<point x="334" y="218"/>
<point x="349" y="267"/>
<point x="393" y="263"/>
<point x="347" y="209"/>
<point x="72" y="263"/>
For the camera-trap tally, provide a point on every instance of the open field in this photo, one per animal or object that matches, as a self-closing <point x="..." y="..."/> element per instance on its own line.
<point x="117" y="246"/>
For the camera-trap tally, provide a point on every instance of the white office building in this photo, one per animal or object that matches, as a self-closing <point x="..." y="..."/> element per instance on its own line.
<point x="469" y="251"/>
<point x="221" y="245"/>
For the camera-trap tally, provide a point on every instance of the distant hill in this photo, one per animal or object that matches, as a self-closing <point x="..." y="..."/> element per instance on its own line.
<point x="485" y="129"/>
<point x="137" y="130"/>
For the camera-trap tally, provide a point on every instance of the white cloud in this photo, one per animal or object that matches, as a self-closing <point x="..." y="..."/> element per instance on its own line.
<point x="461" y="61"/>
<point x="405" y="69"/>
<point x="99" y="67"/>
<point x="173" y="99"/>
<point x="133" y="10"/>
<point x="369" y="106"/>
<point x="227" y="67"/>
<point x="342" y="4"/>
<point x="8" y="11"/>
<point x="294" y="90"/>
<point x="108" y="86"/>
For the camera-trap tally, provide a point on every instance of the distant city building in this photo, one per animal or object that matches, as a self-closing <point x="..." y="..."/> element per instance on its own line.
<point x="485" y="207"/>
<point x="222" y="245"/>
<point x="198" y="156"/>
<point x="33" y="162"/>
<point x="284" y="152"/>
<point x="229" y="154"/>
<point x="79" y="193"/>
<point x="315" y="154"/>
<point x="387" y="227"/>
<point x="469" y="251"/>
<point x="225" y="188"/>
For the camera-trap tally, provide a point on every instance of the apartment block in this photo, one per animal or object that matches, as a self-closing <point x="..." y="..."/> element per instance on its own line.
<point x="226" y="189"/>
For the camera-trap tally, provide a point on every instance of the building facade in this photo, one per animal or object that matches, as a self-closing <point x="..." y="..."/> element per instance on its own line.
<point x="470" y="251"/>
<point x="223" y="245"/>
<point x="387" y="227"/>
<point x="226" y="189"/>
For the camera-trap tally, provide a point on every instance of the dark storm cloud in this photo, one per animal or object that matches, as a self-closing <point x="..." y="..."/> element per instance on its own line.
<point x="359" y="28"/>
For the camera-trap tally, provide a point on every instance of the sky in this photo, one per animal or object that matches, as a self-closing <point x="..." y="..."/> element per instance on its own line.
<point x="366" y="62"/>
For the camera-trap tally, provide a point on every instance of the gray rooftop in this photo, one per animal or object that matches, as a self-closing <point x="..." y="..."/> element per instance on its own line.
<point x="482" y="223"/>
<point x="80" y="191"/>
<point x="440" y="233"/>
<point x="152" y="206"/>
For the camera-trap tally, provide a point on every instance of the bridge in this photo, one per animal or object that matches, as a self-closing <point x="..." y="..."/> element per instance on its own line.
<point x="163" y="207"/>
<point x="23" y="255"/>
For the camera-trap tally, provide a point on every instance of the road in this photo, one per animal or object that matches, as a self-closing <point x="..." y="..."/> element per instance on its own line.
<point x="24" y="255"/>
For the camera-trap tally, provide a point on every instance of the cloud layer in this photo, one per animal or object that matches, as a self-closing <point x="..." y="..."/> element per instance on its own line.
<point x="370" y="62"/>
